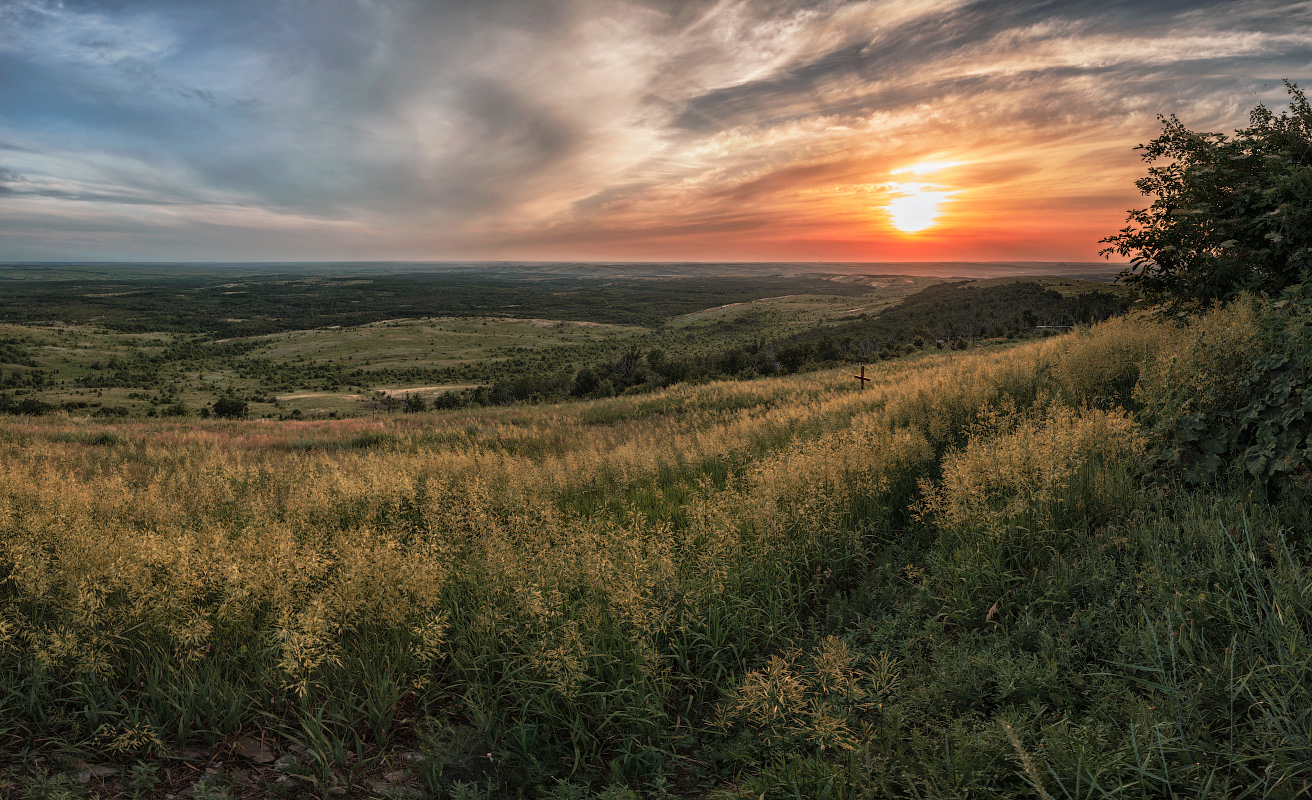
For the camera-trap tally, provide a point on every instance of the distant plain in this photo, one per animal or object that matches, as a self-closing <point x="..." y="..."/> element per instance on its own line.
<point x="328" y="339"/>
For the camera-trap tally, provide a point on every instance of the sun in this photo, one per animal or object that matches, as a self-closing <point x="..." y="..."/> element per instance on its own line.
<point x="917" y="207"/>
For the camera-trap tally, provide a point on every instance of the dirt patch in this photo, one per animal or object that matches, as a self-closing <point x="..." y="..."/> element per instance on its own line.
<point x="415" y="389"/>
<point x="320" y="394"/>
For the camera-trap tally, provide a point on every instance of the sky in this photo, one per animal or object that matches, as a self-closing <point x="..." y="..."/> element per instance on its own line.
<point x="779" y="130"/>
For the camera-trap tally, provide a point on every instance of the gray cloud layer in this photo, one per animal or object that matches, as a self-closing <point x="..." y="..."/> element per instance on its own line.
<point x="341" y="128"/>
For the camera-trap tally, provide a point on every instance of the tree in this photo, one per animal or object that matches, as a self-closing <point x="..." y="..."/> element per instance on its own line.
<point x="230" y="408"/>
<point x="1229" y="214"/>
<point x="585" y="383"/>
<point x="32" y="406"/>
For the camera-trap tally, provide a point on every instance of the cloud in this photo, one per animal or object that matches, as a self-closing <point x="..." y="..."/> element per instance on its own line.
<point x="52" y="33"/>
<point x="603" y="128"/>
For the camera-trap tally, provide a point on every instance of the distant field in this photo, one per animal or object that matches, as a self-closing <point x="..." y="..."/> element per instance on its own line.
<point x="72" y="355"/>
<point x="1092" y="270"/>
<point x="789" y="313"/>
<point x="434" y="342"/>
<point x="113" y="340"/>
<point x="96" y="340"/>
<point x="245" y="301"/>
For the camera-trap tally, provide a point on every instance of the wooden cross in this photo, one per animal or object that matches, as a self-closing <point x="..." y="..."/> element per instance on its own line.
<point x="862" y="377"/>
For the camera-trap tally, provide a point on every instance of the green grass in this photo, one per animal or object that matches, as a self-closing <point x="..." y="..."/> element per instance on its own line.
<point x="334" y="370"/>
<point x="1133" y="636"/>
<point x="93" y="360"/>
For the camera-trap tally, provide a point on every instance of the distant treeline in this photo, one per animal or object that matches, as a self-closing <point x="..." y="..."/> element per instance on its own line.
<point x="255" y="306"/>
<point x="940" y="316"/>
<point x="953" y="311"/>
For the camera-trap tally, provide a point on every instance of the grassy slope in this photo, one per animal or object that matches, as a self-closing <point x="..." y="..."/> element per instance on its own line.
<point x="448" y="351"/>
<point x="950" y="584"/>
<point x="333" y="370"/>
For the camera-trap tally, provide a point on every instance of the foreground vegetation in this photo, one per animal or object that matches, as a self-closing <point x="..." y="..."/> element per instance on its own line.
<point x="1074" y="567"/>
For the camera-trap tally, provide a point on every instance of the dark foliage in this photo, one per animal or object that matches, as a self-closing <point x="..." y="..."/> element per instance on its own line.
<point x="1253" y="412"/>
<point x="953" y="311"/>
<point x="30" y="406"/>
<point x="175" y="409"/>
<point x="229" y="408"/>
<point x="1229" y="214"/>
<point x="949" y="313"/>
<point x="262" y="304"/>
<point x="16" y="351"/>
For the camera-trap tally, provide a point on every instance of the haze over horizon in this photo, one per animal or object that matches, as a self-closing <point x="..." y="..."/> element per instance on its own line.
<point x="927" y="130"/>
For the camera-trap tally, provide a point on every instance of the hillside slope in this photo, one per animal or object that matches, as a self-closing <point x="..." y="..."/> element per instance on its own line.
<point x="955" y="582"/>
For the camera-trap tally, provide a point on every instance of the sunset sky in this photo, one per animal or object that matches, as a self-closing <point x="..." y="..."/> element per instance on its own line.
<point x="590" y="130"/>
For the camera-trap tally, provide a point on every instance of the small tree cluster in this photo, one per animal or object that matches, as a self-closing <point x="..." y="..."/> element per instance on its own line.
<point x="230" y="408"/>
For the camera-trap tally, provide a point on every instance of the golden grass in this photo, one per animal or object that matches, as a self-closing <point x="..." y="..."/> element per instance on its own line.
<point x="540" y="529"/>
<point x="1035" y="471"/>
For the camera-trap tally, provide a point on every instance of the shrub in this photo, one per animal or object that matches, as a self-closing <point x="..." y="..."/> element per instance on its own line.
<point x="1229" y="215"/>
<point x="32" y="407"/>
<point x="414" y="403"/>
<point x="808" y="700"/>
<point x="1100" y="365"/>
<point x="230" y="408"/>
<point x="175" y="409"/>
<point x="1237" y="396"/>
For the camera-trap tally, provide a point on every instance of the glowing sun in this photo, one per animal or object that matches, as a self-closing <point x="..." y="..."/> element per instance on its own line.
<point x="917" y="208"/>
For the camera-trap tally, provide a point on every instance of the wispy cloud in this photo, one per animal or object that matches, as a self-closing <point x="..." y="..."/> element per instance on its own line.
<point x="600" y="129"/>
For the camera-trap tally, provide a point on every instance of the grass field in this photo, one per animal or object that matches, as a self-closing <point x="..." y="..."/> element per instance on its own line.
<point x="961" y="581"/>
<point x="789" y="313"/>
<point x="89" y="367"/>
<point x="103" y="344"/>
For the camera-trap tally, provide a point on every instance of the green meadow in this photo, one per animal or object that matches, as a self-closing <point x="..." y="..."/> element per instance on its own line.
<point x="141" y="343"/>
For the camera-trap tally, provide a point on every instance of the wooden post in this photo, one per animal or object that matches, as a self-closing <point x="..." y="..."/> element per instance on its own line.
<point x="862" y="377"/>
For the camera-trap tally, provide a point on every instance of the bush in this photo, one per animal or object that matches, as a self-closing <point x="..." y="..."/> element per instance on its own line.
<point x="176" y="409"/>
<point x="1238" y="395"/>
<point x="32" y="407"/>
<point x="230" y="408"/>
<point x="1229" y="215"/>
<point x="1100" y="366"/>
<point x="1036" y="472"/>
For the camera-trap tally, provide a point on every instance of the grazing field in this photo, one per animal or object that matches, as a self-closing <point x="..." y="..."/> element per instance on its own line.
<point x="123" y="342"/>
<point x="237" y="301"/>
<point x="116" y="344"/>
<point x="980" y="576"/>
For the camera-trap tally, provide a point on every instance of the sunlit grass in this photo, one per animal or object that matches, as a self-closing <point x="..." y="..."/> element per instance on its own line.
<point x="606" y="589"/>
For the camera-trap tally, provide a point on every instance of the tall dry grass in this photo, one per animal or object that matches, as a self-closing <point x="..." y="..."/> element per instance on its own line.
<point x="582" y="577"/>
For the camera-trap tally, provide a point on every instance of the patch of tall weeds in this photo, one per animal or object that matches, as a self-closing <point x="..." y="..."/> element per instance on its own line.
<point x="1053" y="468"/>
<point x="951" y="583"/>
<point x="1236" y="398"/>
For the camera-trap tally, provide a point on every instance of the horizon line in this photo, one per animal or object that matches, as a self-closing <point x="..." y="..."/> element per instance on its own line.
<point x="538" y="261"/>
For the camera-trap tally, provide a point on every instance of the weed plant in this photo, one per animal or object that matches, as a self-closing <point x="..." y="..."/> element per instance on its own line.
<point x="962" y="581"/>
